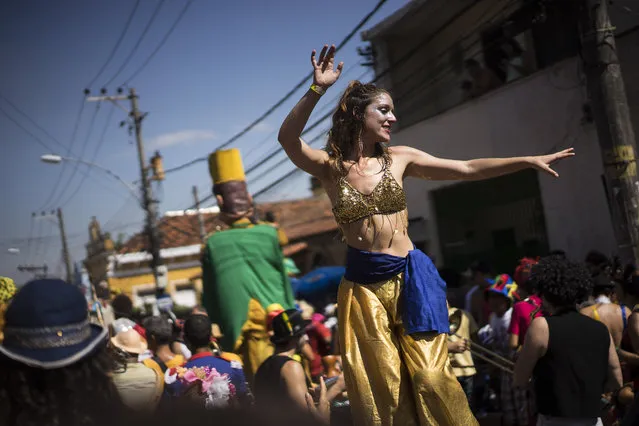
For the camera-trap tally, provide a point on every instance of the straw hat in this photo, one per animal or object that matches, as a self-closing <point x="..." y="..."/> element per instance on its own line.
<point x="129" y="341"/>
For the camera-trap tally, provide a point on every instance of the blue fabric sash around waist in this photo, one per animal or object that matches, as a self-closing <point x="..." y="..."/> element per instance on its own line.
<point x="424" y="292"/>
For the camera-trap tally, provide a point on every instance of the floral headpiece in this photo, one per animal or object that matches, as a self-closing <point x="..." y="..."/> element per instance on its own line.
<point x="215" y="388"/>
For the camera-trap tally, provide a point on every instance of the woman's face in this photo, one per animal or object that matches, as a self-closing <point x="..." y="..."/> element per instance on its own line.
<point x="379" y="117"/>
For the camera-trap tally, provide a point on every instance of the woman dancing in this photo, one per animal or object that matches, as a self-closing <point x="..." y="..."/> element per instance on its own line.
<point x="393" y="318"/>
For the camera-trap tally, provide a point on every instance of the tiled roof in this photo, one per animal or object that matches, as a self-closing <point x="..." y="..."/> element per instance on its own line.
<point x="298" y="218"/>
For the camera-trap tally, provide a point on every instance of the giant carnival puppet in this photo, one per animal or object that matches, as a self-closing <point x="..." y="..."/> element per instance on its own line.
<point x="244" y="276"/>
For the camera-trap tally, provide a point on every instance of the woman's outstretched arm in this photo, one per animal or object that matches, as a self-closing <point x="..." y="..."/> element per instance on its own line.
<point x="301" y="154"/>
<point x="422" y="165"/>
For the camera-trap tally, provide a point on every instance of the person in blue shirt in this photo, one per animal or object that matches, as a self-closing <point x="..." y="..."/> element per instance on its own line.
<point x="197" y="336"/>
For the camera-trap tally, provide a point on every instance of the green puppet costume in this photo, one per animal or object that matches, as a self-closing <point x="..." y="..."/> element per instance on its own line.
<point x="242" y="266"/>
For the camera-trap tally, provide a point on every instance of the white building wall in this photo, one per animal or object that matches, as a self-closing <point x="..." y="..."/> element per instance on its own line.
<point x="539" y="114"/>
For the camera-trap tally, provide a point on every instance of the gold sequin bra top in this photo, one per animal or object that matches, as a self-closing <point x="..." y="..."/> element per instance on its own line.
<point x="387" y="197"/>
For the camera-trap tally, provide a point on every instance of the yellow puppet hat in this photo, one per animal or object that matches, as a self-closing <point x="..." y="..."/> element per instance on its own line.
<point x="226" y="166"/>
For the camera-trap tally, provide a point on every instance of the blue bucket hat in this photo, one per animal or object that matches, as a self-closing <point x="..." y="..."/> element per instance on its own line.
<point x="47" y="326"/>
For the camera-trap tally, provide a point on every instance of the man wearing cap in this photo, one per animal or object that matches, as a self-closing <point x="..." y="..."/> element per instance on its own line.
<point x="242" y="264"/>
<point x="281" y="378"/>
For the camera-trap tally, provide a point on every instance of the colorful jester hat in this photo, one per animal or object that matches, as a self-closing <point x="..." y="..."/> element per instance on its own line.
<point x="503" y="284"/>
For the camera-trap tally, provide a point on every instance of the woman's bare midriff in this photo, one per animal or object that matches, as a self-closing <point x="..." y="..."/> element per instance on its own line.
<point x="380" y="236"/>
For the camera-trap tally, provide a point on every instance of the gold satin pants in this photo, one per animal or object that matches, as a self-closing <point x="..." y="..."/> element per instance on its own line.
<point x="394" y="379"/>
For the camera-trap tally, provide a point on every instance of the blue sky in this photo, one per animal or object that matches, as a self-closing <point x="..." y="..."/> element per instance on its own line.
<point x="225" y="64"/>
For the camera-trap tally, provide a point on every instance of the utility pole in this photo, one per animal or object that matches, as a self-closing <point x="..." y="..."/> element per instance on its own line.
<point x="148" y="202"/>
<point x="65" y="246"/>
<point x="200" y="219"/>
<point x="614" y="127"/>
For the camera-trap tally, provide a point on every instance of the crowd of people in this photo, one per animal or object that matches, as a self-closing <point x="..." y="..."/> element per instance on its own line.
<point x="560" y="337"/>
<point x="405" y="350"/>
<point x="60" y="365"/>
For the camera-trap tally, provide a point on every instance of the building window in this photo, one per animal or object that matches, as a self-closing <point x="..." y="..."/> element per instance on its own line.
<point x="534" y="37"/>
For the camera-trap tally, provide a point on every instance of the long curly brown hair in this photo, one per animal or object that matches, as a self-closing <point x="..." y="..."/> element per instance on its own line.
<point x="80" y="394"/>
<point x="344" y="137"/>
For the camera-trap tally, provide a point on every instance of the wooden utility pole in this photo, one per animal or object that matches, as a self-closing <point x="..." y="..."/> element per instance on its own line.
<point x="614" y="127"/>
<point x="150" y="204"/>
<point x="65" y="247"/>
<point x="200" y="219"/>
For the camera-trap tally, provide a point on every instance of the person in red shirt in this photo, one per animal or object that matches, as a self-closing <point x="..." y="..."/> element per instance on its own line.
<point x="319" y="338"/>
<point x="526" y="310"/>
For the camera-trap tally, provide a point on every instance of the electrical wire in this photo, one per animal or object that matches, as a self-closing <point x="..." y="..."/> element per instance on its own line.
<point x="25" y="115"/>
<point x="35" y="138"/>
<point x="159" y="46"/>
<point x="76" y="166"/>
<point x="122" y="208"/>
<point x="286" y="97"/>
<point x="117" y="43"/>
<point x="93" y="157"/>
<point x="56" y="185"/>
<point x="137" y="44"/>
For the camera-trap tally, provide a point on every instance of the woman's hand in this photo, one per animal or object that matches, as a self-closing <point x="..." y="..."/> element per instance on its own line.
<point x="458" y="347"/>
<point x="543" y="162"/>
<point x="325" y="74"/>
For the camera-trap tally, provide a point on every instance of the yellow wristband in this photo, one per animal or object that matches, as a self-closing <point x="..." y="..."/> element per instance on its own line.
<point x="318" y="89"/>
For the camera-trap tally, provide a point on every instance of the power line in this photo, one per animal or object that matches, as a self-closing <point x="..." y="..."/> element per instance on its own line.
<point x="35" y="138"/>
<point x="137" y="44"/>
<point x="287" y="175"/>
<point x="77" y="164"/>
<point x="117" y="43"/>
<point x="162" y="42"/>
<point x="287" y="96"/>
<point x="25" y="115"/>
<point x="69" y="151"/>
<point x="93" y="157"/>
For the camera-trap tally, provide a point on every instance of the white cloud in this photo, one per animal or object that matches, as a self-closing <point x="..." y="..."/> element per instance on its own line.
<point x="263" y="127"/>
<point x="183" y="137"/>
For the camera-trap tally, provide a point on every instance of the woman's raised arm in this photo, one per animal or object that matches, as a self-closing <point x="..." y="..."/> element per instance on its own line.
<point x="301" y="154"/>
